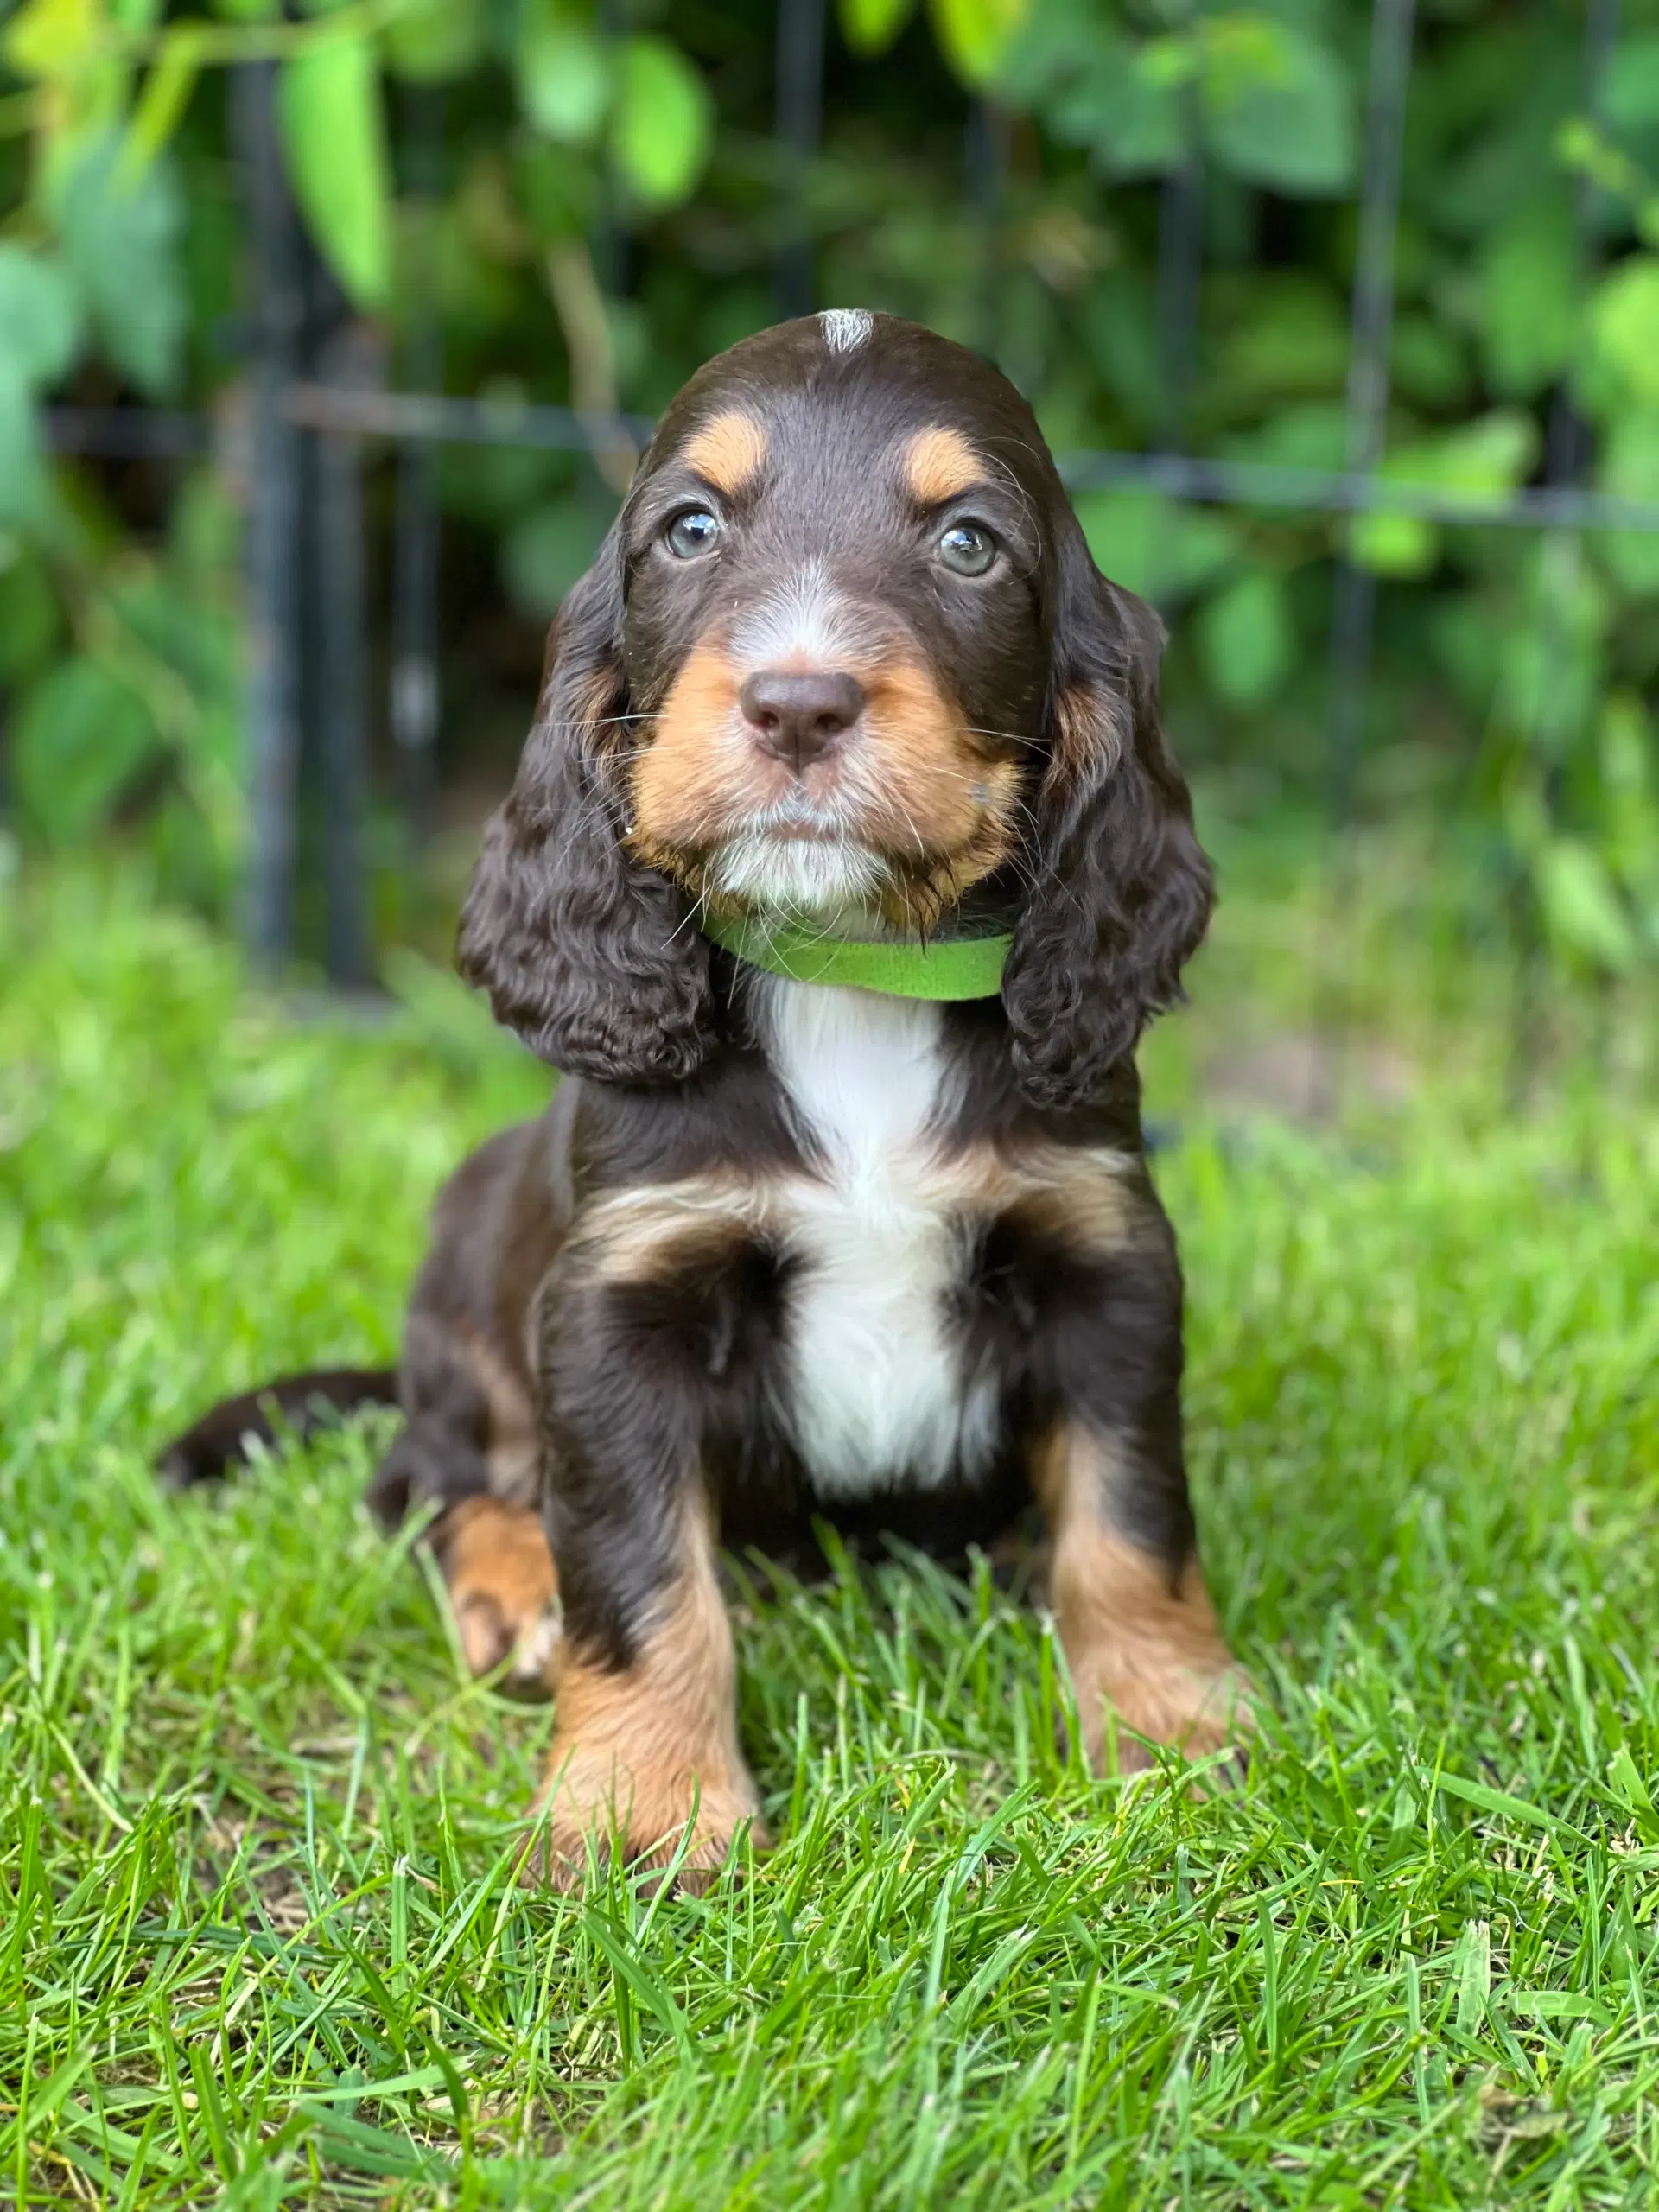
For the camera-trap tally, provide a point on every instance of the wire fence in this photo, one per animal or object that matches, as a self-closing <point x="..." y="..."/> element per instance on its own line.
<point x="317" y="396"/>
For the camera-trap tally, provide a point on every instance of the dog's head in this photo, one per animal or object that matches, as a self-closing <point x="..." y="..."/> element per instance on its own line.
<point x="844" y="652"/>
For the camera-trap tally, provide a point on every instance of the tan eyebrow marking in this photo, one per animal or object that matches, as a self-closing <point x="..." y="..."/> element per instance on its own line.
<point x="729" y="451"/>
<point x="940" y="463"/>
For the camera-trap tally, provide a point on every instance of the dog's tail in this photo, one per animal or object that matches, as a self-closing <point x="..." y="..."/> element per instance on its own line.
<point x="292" y="1406"/>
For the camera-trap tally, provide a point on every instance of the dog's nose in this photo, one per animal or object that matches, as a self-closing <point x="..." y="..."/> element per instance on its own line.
<point x="797" y="713"/>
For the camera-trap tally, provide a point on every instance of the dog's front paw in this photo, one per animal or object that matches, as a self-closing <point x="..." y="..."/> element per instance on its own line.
<point x="1196" y="1710"/>
<point x="641" y="1813"/>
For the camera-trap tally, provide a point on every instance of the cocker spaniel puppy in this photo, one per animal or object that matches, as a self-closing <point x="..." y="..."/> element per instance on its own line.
<point x="845" y="864"/>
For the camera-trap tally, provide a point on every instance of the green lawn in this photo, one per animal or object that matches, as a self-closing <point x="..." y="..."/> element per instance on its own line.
<point x="259" y="1933"/>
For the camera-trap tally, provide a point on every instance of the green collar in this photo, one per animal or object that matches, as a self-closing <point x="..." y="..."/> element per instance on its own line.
<point x="956" y="968"/>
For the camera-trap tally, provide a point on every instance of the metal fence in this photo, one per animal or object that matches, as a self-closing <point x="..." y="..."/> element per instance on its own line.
<point x="317" y="397"/>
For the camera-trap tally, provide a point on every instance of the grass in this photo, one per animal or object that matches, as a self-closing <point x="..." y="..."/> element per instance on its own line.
<point x="259" y="1937"/>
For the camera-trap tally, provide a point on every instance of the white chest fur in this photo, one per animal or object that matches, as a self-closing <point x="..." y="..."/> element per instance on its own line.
<point x="877" y="1390"/>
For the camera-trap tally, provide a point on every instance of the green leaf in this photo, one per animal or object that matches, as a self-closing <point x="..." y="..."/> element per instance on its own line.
<point x="1556" y="2004"/>
<point x="433" y="41"/>
<point x="23" y="492"/>
<point x="1154" y="546"/>
<point x="1312" y="434"/>
<point x="1528" y="299"/>
<point x="1247" y="638"/>
<point x="564" y="85"/>
<point x="1486" y="458"/>
<point x="1393" y="544"/>
<point x="1488" y="1800"/>
<point x="1581" y="908"/>
<point x="664" y="121"/>
<point x="81" y="738"/>
<point x="166" y="95"/>
<point x="1289" y="341"/>
<point x="28" y="616"/>
<point x="555" y="187"/>
<point x="1120" y="328"/>
<point x="1624" y="317"/>
<point x="1138" y="129"/>
<point x="1628" y="94"/>
<point x="334" y="129"/>
<point x="50" y="38"/>
<point x="39" y="316"/>
<point x="122" y="235"/>
<point x="544" y="554"/>
<point x="870" y="26"/>
<point x="1551" y="673"/>
<point x="1628" y="776"/>
<point x="1286" y="122"/>
<point x="1625" y="1778"/>
<point x="976" y="35"/>
<point x="1474" y="1977"/>
<point x="1431" y="364"/>
<point x="1094" y="87"/>
<point x="1629" y="470"/>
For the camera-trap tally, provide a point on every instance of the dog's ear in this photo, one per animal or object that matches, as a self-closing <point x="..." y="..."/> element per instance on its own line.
<point x="590" y="957"/>
<point x="1119" y="891"/>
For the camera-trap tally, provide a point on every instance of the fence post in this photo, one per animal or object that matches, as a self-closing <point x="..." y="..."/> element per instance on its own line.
<point x="1371" y="330"/>
<point x="1180" y="263"/>
<point x="985" y="150"/>
<point x="798" y="121"/>
<point x="610" y="235"/>
<point x="346" y="359"/>
<point x="415" y="697"/>
<point x="273" y="523"/>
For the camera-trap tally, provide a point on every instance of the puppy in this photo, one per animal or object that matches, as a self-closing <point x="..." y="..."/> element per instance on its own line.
<point x="845" y="864"/>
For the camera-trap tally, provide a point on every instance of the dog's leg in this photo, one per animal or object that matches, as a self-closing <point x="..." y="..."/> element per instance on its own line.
<point x="1136" y="1625"/>
<point x="645" y="1749"/>
<point x="460" y="1449"/>
<point x="1090" y="1265"/>
<point x="503" y="1591"/>
<point x="645" y="1746"/>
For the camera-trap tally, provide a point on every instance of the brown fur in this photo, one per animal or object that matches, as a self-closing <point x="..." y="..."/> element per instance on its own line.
<point x="1085" y="732"/>
<point x="1090" y="1202"/>
<point x="503" y="1589"/>
<point x="686" y="785"/>
<point x="939" y="465"/>
<point x="1142" y="1642"/>
<point x="641" y="1754"/>
<point x="729" y="451"/>
<point x="638" y="1235"/>
<point x="947" y="809"/>
<point x="514" y="1447"/>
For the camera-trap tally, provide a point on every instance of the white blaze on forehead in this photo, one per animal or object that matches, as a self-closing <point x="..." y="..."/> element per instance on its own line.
<point x="845" y="329"/>
<point x="801" y="618"/>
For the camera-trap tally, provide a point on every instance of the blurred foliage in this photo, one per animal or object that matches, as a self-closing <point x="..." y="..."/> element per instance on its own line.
<point x="472" y="169"/>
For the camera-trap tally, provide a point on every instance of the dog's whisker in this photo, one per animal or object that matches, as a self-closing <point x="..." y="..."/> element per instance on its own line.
<point x="694" y="913"/>
<point x="1010" y="736"/>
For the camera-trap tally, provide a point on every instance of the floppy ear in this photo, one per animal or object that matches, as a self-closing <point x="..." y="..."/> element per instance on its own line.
<point x="589" y="956"/>
<point x="1121" y="891"/>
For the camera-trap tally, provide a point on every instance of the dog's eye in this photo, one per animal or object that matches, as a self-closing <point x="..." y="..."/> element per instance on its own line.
<point x="967" y="548"/>
<point x="692" y="533"/>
